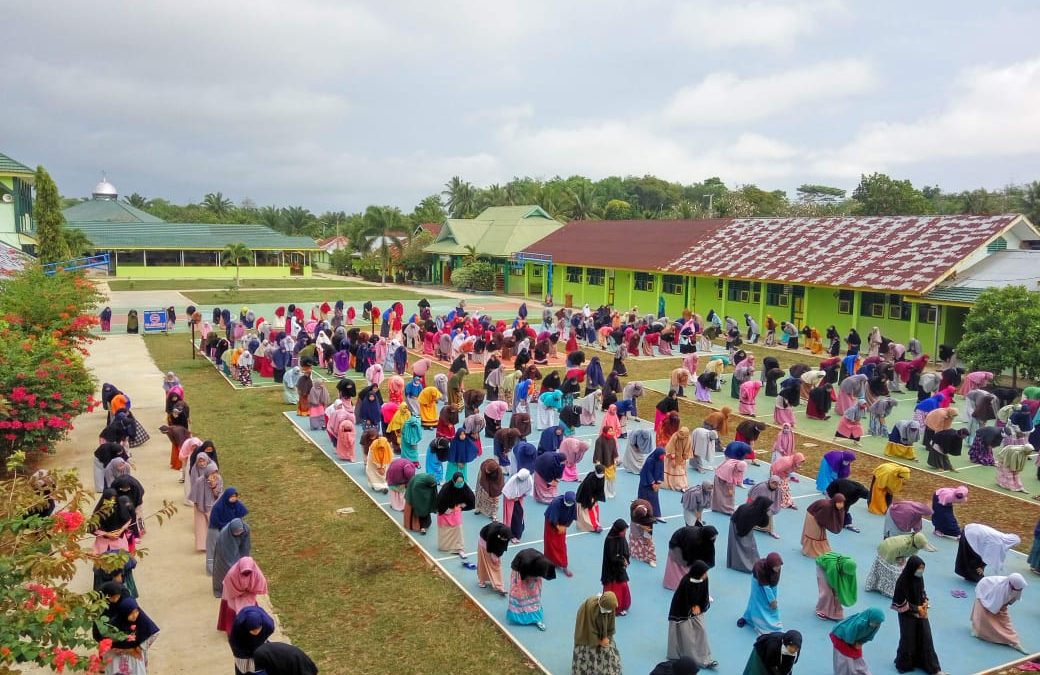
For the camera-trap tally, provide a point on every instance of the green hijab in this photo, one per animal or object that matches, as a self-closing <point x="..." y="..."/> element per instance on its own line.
<point x="421" y="493"/>
<point x="840" y="571"/>
<point x="1031" y="393"/>
<point x="860" y="628"/>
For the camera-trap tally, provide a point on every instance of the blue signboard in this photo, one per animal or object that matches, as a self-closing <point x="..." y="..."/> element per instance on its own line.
<point x="154" y="320"/>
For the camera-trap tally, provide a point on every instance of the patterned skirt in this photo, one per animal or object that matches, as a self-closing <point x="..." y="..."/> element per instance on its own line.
<point x="882" y="577"/>
<point x="486" y="504"/>
<point x="641" y="543"/>
<point x="596" y="660"/>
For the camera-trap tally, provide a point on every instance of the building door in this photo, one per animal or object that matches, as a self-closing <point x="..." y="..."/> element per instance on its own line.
<point x="534" y="282"/>
<point x="610" y="288"/>
<point x="447" y="273"/>
<point x="798" y="305"/>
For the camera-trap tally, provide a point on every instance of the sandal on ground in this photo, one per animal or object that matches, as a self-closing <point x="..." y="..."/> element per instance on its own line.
<point x="541" y="626"/>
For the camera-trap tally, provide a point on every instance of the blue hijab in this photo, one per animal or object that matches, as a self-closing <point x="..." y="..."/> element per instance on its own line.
<point x="550" y="440"/>
<point x="653" y="469"/>
<point x="462" y="449"/>
<point x="562" y="510"/>
<point x="737" y="450"/>
<point x="243" y="643"/>
<point x="525" y="454"/>
<point x="549" y="466"/>
<point x="594" y="374"/>
<point x="225" y="511"/>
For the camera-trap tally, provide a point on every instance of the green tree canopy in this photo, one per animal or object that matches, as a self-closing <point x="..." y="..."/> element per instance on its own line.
<point x="50" y="238"/>
<point x="1000" y="332"/>
<point x="236" y="254"/>
<point x="880" y="195"/>
<point x="820" y="194"/>
<point x="429" y="210"/>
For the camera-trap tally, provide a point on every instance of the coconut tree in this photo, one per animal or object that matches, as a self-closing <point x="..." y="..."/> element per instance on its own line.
<point x="462" y="197"/>
<point x="76" y="242"/>
<point x="384" y="224"/>
<point x="297" y="220"/>
<point x="235" y="254"/>
<point x="136" y="200"/>
<point x="217" y="204"/>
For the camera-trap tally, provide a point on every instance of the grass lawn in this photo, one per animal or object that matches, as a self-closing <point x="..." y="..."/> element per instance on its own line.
<point x="205" y="298"/>
<point x="350" y="590"/>
<point x="190" y="284"/>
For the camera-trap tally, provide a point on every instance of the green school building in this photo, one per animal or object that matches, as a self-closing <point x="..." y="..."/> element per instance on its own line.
<point x="495" y="235"/>
<point x="910" y="276"/>
<point x="17" y="229"/>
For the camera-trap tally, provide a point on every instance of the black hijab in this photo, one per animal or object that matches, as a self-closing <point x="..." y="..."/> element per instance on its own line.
<point x="129" y="486"/>
<point x="616" y="554"/>
<point x="668" y="404"/>
<point x="770" y="650"/>
<point x="208" y="448"/>
<point x="909" y="586"/>
<point x="690" y="593"/>
<point x="749" y="516"/>
<point x="551" y="381"/>
<point x="450" y="496"/>
<point x="496" y="537"/>
<point x="853" y="491"/>
<point x="531" y="563"/>
<point x="591" y="489"/>
<point x="696" y="542"/>
<point x="108" y="451"/>
<point x="279" y="658"/>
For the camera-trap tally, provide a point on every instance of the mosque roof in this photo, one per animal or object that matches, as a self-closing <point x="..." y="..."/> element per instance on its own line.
<point x="188" y="236"/>
<point x="108" y="211"/>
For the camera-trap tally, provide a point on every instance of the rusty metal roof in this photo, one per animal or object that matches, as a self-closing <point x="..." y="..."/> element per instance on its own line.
<point x="893" y="253"/>
<point x="631" y="244"/>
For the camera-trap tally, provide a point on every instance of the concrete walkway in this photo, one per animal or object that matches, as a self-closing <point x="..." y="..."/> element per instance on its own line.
<point x="175" y="590"/>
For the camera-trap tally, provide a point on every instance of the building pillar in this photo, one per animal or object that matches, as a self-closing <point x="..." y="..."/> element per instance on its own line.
<point x="144" y="257"/>
<point x="725" y="297"/>
<point x="182" y="257"/>
<point x="805" y="306"/>
<point x="216" y="258"/>
<point x="857" y="304"/>
<point x="254" y="258"/>
<point x="913" y="320"/>
<point x="762" y="307"/>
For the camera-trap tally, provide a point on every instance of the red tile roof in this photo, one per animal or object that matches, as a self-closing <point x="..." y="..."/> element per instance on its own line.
<point x="12" y="260"/>
<point x="894" y="253"/>
<point x="432" y="228"/>
<point x="631" y="244"/>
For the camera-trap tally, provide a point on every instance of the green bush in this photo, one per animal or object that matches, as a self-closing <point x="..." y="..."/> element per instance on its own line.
<point x="478" y="276"/>
<point x="369" y="267"/>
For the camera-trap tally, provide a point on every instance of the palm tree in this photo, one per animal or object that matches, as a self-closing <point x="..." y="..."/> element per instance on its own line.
<point x="217" y="204"/>
<point x="235" y="254"/>
<point x="332" y="221"/>
<point x="471" y="255"/>
<point x="461" y="197"/>
<point x="271" y="216"/>
<point x="297" y="219"/>
<point x="77" y="242"/>
<point x="1031" y="201"/>
<point x="137" y="201"/>
<point x="384" y="223"/>
<point x="583" y="202"/>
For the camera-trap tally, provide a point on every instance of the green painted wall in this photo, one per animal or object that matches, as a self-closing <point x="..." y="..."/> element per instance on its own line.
<point x="7" y="228"/>
<point x="140" y="272"/>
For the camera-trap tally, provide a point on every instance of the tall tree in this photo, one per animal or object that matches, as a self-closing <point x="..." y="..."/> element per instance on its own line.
<point x="297" y="220"/>
<point x="1031" y="201"/>
<point x="978" y="203"/>
<point x="384" y="224"/>
<point x="429" y="210"/>
<point x="136" y="200"/>
<point x="617" y="209"/>
<point x="1000" y="332"/>
<point x="272" y="217"/>
<point x="332" y="223"/>
<point x="76" y="242"/>
<point x="880" y="195"/>
<point x="217" y="204"/>
<point x="50" y="240"/>
<point x="236" y="254"/>
<point x="820" y="194"/>
<point x="461" y="198"/>
<point x="582" y="202"/>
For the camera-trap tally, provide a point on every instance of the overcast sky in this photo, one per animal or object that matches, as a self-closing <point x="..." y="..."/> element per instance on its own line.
<point x="335" y="105"/>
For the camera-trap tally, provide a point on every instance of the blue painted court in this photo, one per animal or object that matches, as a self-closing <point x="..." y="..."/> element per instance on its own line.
<point x="642" y="635"/>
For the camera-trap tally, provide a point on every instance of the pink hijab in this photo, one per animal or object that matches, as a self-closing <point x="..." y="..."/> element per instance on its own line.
<point x="784" y="441"/>
<point x="243" y="582"/>
<point x="907" y="515"/>
<point x="957" y="495"/>
<point x="689" y="362"/>
<point x="611" y="419"/>
<point x="749" y="390"/>
<point x="785" y="466"/>
<point x="574" y="449"/>
<point x="732" y="471"/>
<point x="496" y="409"/>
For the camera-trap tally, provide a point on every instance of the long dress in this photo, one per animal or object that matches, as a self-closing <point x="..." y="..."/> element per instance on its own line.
<point x="993" y="627"/>
<point x="759" y="614"/>
<point x="525" y="600"/>
<point x="641" y="543"/>
<point x="741" y="551"/>
<point x="916" y="649"/>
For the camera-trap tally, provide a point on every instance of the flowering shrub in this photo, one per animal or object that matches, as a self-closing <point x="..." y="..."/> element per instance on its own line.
<point x="45" y="324"/>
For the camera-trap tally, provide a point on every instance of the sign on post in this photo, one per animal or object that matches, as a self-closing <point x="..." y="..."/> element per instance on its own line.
<point x="154" y="320"/>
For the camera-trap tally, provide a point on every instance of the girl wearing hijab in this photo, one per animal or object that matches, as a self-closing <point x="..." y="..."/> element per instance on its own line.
<point x="763" y="612"/>
<point x="748" y="396"/>
<point x="559" y="515"/>
<point x="910" y="601"/>
<point x="822" y="515"/>
<point x="206" y="488"/>
<point x="590" y="493"/>
<point x="595" y="652"/>
<point x="888" y="479"/>
<point x="243" y="582"/>
<point x="990" y="620"/>
<point x="848" y="638"/>
<point x="529" y="567"/>
<point x="892" y="554"/>
<point x="687" y="628"/>
<point x="251" y="629"/>
<point x="774" y="653"/>
<point x="686" y="545"/>
<point x="905" y="517"/>
<point x="420" y="500"/>
<point x="454" y="498"/>
<point x="279" y="658"/>
<point x="902" y="438"/>
<point x="703" y="442"/>
<point x="398" y="475"/>
<point x="742" y="551"/>
<point x="694" y="500"/>
<point x="491" y="545"/>
<point x="605" y="454"/>
<point x="490" y="481"/>
<point x="428" y="398"/>
<point x="548" y="469"/>
<point x="981" y="546"/>
<point x="380" y="454"/>
<point x="233" y="543"/>
<point x="130" y="654"/>
<point x="784" y="444"/>
<point x="728" y="477"/>
<point x="834" y="465"/>
<point x="666" y="405"/>
<point x="515" y="490"/>
<point x="770" y="489"/>
<point x="836" y="580"/>
<point x="1011" y="460"/>
<point x="614" y="570"/>
<point x="111" y="533"/>
<point x="641" y="533"/>
<point x="943" y="519"/>
<point x="650" y="479"/>
<point x="573" y="450"/>
<point x="640" y="444"/>
<point x="678" y="452"/>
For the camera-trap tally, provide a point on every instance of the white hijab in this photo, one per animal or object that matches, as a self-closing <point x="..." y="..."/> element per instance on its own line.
<point x="704" y="443"/>
<point x="519" y="485"/>
<point x="996" y="592"/>
<point x="991" y="545"/>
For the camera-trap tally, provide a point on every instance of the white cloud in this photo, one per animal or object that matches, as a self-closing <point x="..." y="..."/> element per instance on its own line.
<point x="777" y="24"/>
<point x="727" y="99"/>
<point x="991" y="112"/>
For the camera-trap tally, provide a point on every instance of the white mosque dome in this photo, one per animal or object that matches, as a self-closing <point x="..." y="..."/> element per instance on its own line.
<point x="105" y="190"/>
